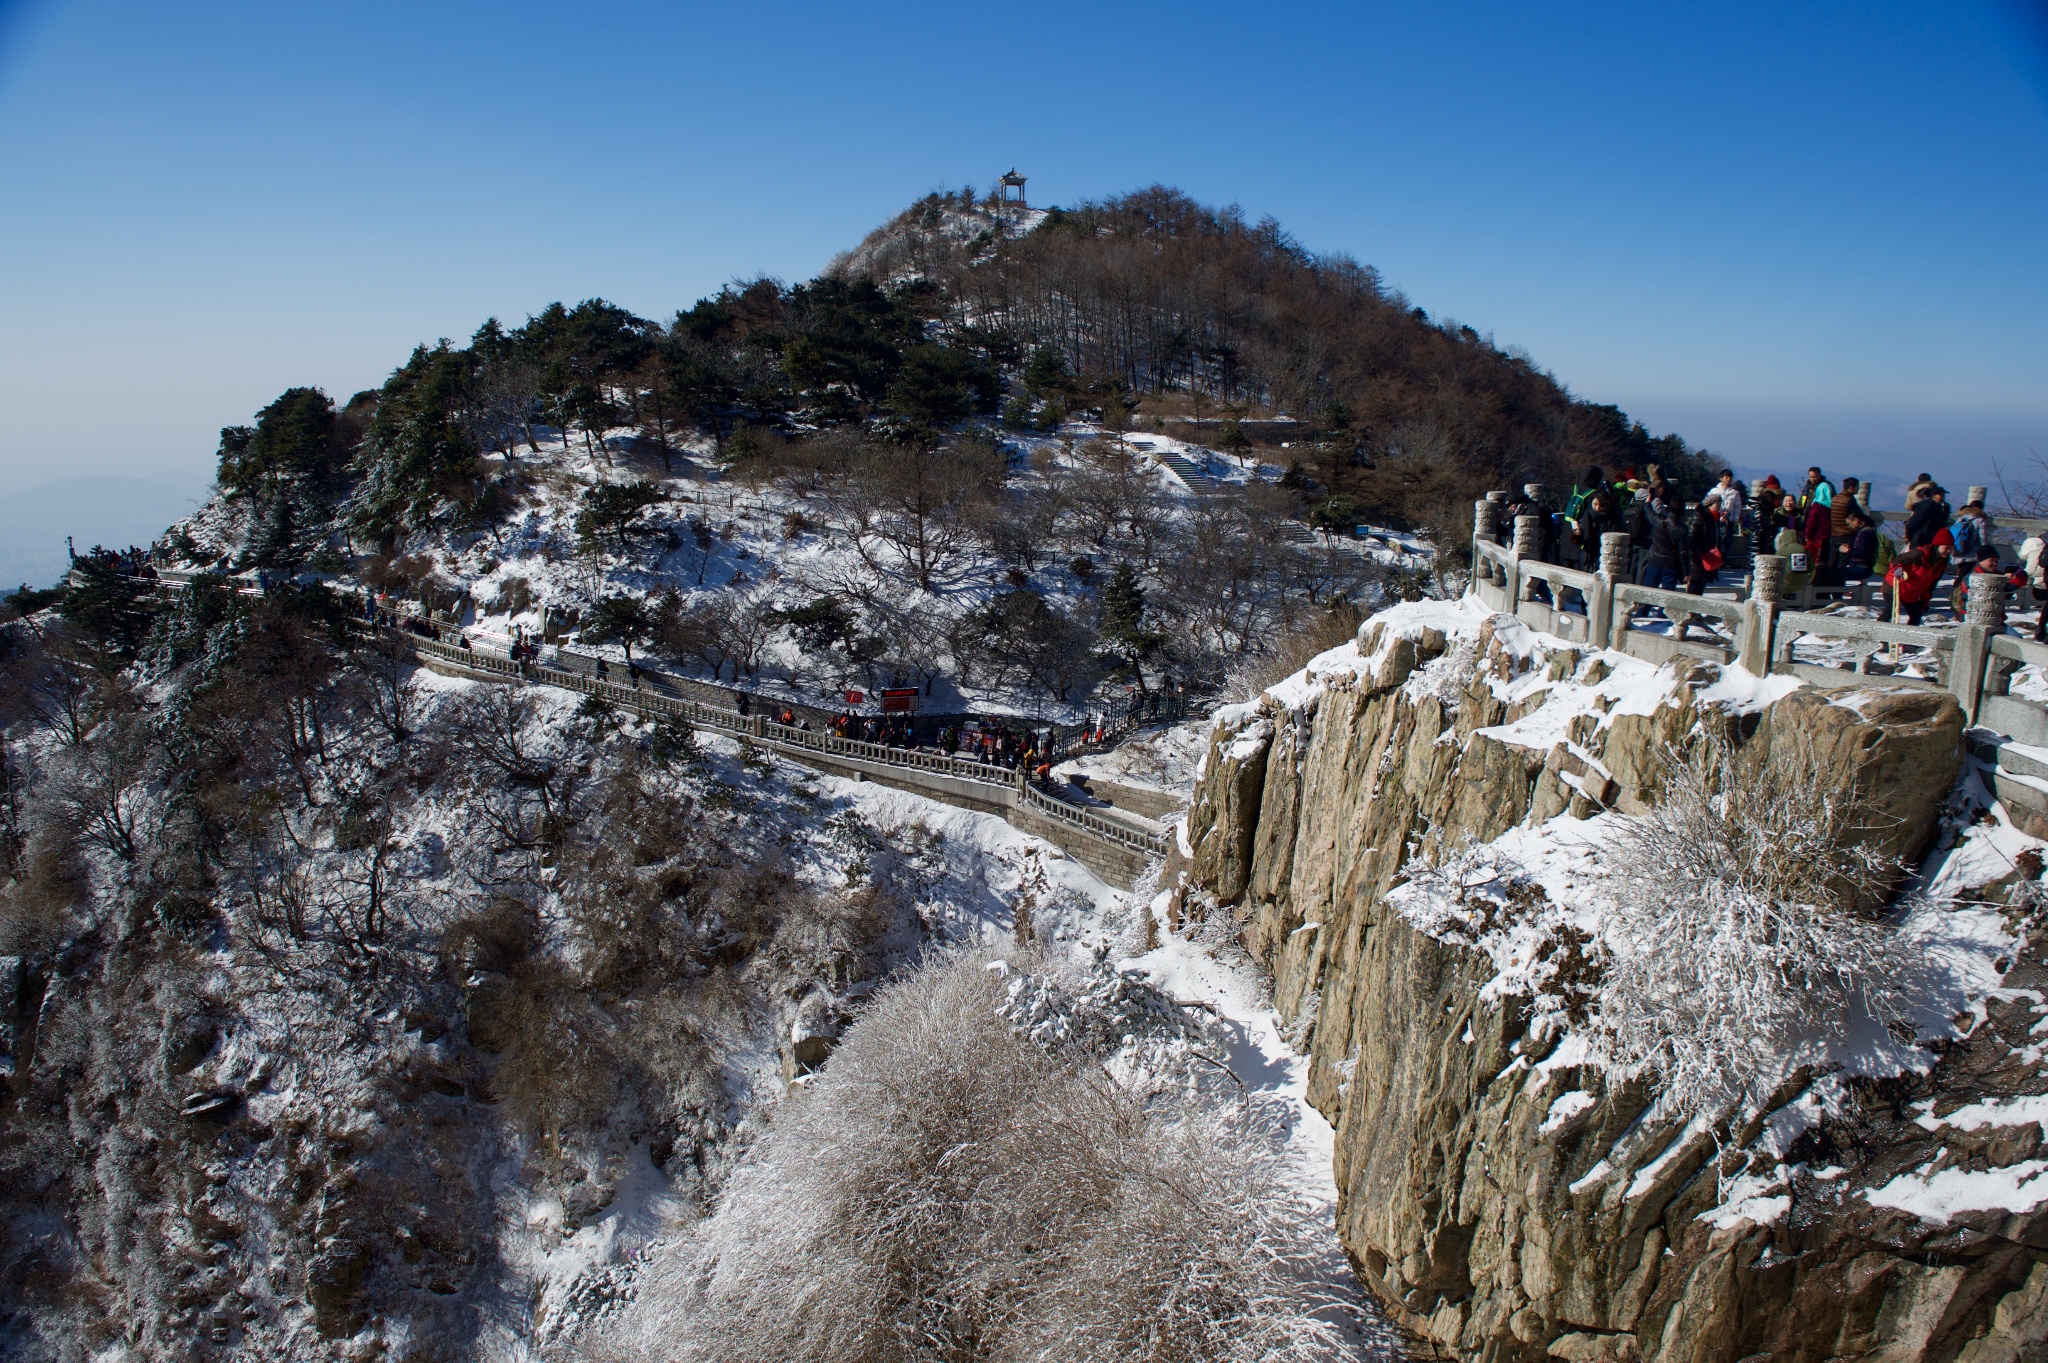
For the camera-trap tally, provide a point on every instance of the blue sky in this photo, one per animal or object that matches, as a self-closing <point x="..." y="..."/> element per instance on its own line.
<point x="1787" y="231"/>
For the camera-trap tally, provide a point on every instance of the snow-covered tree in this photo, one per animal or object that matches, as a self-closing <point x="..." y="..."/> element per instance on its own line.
<point x="1748" y="915"/>
<point x="950" y="1189"/>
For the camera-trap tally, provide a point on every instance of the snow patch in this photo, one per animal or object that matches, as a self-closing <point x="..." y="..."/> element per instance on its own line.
<point x="1943" y="1196"/>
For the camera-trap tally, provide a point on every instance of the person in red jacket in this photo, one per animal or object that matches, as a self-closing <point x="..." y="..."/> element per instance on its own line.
<point x="1913" y="574"/>
<point x="1818" y="527"/>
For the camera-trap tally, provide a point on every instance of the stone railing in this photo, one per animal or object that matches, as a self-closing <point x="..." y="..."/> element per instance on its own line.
<point x="995" y="785"/>
<point x="1974" y="660"/>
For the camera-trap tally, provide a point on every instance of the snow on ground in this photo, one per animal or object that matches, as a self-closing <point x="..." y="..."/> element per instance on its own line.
<point x="1225" y="979"/>
<point x="716" y="540"/>
<point x="1942" y="1196"/>
<point x="1163" y="760"/>
<point x="989" y="863"/>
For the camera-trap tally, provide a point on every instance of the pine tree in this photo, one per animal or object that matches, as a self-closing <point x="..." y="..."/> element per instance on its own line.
<point x="1123" y="618"/>
<point x="1046" y="371"/>
<point x="624" y="619"/>
<point x="274" y="542"/>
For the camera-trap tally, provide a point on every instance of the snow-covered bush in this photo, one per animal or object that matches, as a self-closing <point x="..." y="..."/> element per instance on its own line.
<point x="950" y="1189"/>
<point x="1745" y="919"/>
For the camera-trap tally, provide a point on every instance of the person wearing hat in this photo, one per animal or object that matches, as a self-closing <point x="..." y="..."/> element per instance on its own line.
<point x="1816" y="526"/>
<point x="1974" y="568"/>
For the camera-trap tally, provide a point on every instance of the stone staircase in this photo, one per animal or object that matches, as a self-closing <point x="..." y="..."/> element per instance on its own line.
<point x="1186" y="470"/>
<point x="2017" y="775"/>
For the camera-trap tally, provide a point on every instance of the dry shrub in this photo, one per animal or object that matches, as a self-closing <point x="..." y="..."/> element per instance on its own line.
<point x="1744" y="924"/>
<point x="560" y="1070"/>
<point x="947" y="1190"/>
<point x="396" y="572"/>
<point x="1291" y="650"/>
<point x="36" y="910"/>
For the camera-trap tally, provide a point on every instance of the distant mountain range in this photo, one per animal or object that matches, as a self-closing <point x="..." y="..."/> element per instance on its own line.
<point x="115" y="512"/>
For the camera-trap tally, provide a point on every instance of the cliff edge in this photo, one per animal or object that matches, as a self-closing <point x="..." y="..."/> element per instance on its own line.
<point x="1507" y="1190"/>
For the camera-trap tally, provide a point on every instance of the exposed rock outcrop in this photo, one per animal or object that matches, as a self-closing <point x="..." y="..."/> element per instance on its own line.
<point x="1508" y="1203"/>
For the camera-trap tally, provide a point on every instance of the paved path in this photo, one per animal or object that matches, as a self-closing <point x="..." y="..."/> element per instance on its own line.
<point x="1116" y="848"/>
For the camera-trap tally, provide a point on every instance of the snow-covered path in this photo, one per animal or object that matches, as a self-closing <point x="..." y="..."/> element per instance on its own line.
<point x="1273" y="1074"/>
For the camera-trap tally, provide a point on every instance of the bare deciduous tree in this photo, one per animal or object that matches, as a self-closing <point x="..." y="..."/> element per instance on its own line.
<point x="99" y="797"/>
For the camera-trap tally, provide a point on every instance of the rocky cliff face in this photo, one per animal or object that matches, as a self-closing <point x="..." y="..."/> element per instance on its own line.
<point x="1502" y="1192"/>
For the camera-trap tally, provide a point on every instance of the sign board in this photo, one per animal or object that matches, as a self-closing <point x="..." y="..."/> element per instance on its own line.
<point x="855" y="697"/>
<point x="899" y="699"/>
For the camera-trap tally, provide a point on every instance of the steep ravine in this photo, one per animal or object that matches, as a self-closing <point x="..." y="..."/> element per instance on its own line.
<point x="1498" y="1192"/>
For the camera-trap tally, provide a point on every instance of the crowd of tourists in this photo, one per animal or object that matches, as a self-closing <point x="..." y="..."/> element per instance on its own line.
<point x="1827" y="533"/>
<point x="405" y="621"/>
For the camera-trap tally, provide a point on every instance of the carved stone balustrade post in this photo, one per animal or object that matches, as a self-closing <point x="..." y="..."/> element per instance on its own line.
<point x="1614" y="556"/>
<point x="1987" y="600"/>
<point x="1760" y="621"/>
<point x="1600" y="601"/>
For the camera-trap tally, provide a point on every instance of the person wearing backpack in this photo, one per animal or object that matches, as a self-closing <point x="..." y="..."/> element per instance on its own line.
<point x="1887" y="550"/>
<point x="1971" y="529"/>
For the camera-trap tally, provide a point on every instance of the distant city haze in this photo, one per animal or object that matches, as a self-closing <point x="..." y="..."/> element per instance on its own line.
<point x="1793" y="235"/>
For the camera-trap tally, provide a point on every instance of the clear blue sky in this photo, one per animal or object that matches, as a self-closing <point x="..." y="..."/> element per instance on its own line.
<point x="1783" y="230"/>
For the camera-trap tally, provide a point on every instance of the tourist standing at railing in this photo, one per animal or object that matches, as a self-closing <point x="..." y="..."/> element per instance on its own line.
<point x="1599" y="516"/>
<point x="1816" y="528"/>
<point x="1764" y="519"/>
<point x="1664" y="566"/>
<point x="1929" y="515"/>
<point x="1594" y="483"/>
<point x="1522" y="504"/>
<point x="1817" y="489"/>
<point x="1838" y="516"/>
<point x="1918" y="492"/>
<point x="1987" y="564"/>
<point x="1726" y="499"/>
<point x="1972" y="531"/>
<point x="1703" y="556"/>
<point x="1915" y="572"/>
<point x="2032" y="552"/>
